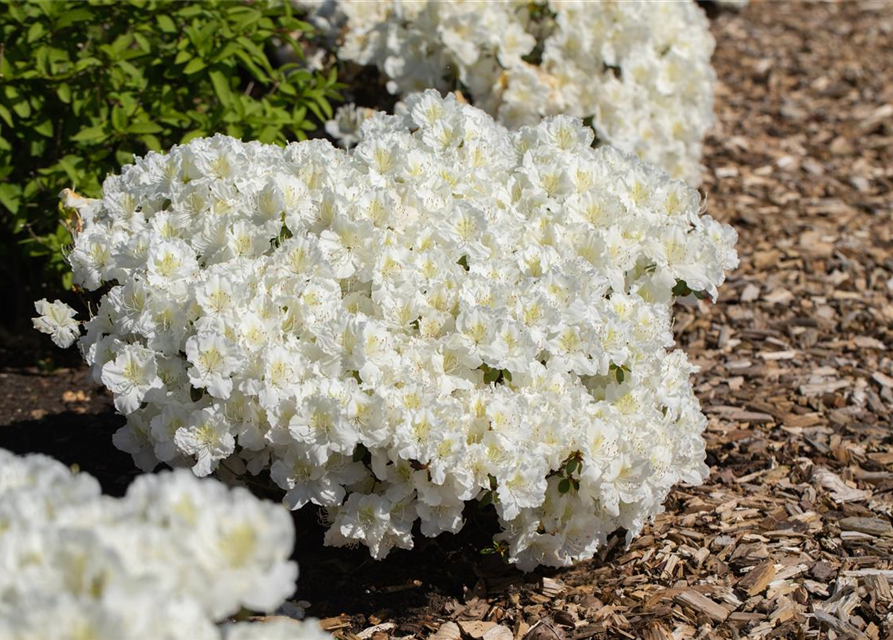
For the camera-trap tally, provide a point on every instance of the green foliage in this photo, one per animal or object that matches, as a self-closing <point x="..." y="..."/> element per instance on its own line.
<point x="681" y="289"/>
<point x="497" y="547"/>
<point x="572" y="465"/>
<point x="85" y="85"/>
<point x="618" y="372"/>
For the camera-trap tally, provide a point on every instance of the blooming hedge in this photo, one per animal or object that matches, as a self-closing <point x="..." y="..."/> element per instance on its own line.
<point x="168" y="560"/>
<point x="639" y="70"/>
<point x="451" y="311"/>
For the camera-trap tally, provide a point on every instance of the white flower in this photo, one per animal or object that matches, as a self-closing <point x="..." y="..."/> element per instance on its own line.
<point x="56" y="319"/>
<point x="130" y="375"/>
<point x="206" y="436"/>
<point x="306" y="481"/>
<point x="171" y="559"/>
<point x="521" y="487"/>
<point x="641" y="71"/>
<point x="213" y="360"/>
<point x="374" y="520"/>
<point x="345" y="126"/>
<point x="248" y="551"/>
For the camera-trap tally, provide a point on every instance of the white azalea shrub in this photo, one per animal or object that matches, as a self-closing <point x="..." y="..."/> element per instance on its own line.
<point x="639" y="69"/>
<point x="167" y="561"/>
<point x="450" y="311"/>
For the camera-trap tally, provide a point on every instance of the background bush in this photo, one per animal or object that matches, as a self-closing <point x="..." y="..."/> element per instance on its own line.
<point x="85" y="85"/>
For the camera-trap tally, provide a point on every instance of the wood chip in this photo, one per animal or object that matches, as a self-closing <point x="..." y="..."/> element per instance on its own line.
<point x="846" y="629"/>
<point x="333" y="624"/>
<point x="758" y="579"/>
<point x="447" y="631"/>
<point x="871" y="526"/>
<point x="368" y="632"/>
<point x="475" y="628"/>
<point x="840" y="491"/>
<point x="498" y="632"/>
<point x="545" y="629"/>
<point x="702" y="604"/>
<point x="882" y="379"/>
<point x="552" y="588"/>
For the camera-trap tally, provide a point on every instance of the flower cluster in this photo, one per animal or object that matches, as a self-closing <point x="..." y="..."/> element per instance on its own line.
<point x="450" y="311"/>
<point x="639" y="70"/>
<point x="166" y="561"/>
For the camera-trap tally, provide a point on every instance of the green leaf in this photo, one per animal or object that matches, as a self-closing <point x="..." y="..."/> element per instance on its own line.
<point x="64" y="92"/>
<point x="124" y="157"/>
<point x="269" y="134"/>
<point x="35" y="31"/>
<point x="680" y="289"/>
<point x="9" y="196"/>
<point x="226" y="52"/>
<point x="244" y="16"/>
<point x="144" y="127"/>
<point x="183" y="56"/>
<point x="166" y="23"/>
<point x="22" y="108"/>
<point x="71" y="17"/>
<point x="119" y="119"/>
<point x="143" y="42"/>
<point x="190" y="10"/>
<point x="91" y="134"/>
<point x="68" y="165"/>
<point x="152" y="143"/>
<point x="44" y="128"/>
<point x="326" y="108"/>
<point x="360" y="453"/>
<point x="314" y="108"/>
<point x="564" y="486"/>
<point x="195" y="65"/>
<point x="190" y="135"/>
<point x="221" y="87"/>
<point x="132" y="70"/>
<point x="19" y="13"/>
<point x="6" y="115"/>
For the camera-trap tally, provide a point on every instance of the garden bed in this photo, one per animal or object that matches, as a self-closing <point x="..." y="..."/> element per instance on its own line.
<point x="791" y="535"/>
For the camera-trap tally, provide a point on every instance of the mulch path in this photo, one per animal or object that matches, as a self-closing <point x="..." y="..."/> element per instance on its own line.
<point x="791" y="537"/>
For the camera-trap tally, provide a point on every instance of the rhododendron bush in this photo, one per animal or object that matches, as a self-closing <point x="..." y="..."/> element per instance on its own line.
<point x="640" y="70"/>
<point x="168" y="560"/>
<point x="449" y="312"/>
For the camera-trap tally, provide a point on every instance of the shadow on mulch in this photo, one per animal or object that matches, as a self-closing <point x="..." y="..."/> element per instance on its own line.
<point x="80" y="440"/>
<point x="408" y="587"/>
